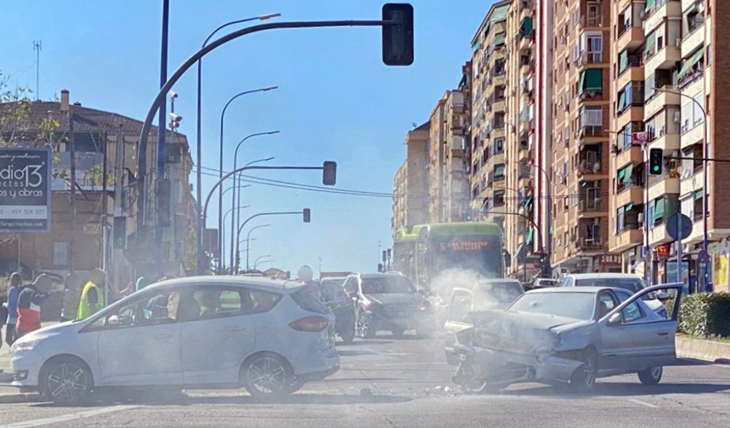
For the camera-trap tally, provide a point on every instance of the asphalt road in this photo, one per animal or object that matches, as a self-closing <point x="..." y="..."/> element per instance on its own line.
<point x="406" y="383"/>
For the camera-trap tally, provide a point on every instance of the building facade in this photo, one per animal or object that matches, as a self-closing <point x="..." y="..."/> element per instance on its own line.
<point x="411" y="183"/>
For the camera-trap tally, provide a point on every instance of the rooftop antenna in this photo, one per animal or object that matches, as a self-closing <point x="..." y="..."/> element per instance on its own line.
<point x="37" y="47"/>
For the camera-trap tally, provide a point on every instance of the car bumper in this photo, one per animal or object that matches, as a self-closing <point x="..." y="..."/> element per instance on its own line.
<point x="26" y="368"/>
<point x="507" y="367"/>
<point x="318" y="368"/>
<point x="418" y="320"/>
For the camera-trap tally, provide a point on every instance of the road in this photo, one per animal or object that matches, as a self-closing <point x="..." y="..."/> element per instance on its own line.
<point x="405" y="383"/>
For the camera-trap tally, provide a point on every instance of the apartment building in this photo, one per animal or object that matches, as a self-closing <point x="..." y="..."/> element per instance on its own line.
<point x="488" y="116"/>
<point x="581" y="133"/>
<point x="411" y="187"/>
<point x="665" y="94"/>
<point x="448" y="185"/>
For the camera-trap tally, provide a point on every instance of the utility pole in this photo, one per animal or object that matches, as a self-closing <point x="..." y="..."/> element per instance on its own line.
<point x="162" y="125"/>
<point x="66" y="108"/>
<point x="118" y="254"/>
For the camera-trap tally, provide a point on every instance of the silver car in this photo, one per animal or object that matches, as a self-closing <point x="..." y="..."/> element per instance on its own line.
<point x="566" y="336"/>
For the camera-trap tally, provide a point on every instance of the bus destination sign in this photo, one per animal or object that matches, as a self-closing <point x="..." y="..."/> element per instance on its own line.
<point x="462" y="245"/>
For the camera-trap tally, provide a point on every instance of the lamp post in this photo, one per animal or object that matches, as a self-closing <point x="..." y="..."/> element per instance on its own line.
<point x="238" y="192"/>
<point x="235" y="165"/>
<point x="198" y="144"/>
<point x="256" y="263"/>
<point x="248" y="241"/>
<point x="705" y="203"/>
<point x="220" y="151"/>
<point x="305" y="212"/>
<point x="232" y="210"/>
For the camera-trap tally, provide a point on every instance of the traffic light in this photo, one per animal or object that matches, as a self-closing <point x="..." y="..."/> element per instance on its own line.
<point x="329" y="173"/>
<point x="398" y="36"/>
<point x="120" y="233"/>
<point x="380" y="267"/>
<point x="656" y="161"/>
<point x="163" y="203"/>
<point x="307" y="215"/>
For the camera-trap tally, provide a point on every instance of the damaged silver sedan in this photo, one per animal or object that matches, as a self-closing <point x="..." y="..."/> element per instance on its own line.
<point x="563" y="336"/>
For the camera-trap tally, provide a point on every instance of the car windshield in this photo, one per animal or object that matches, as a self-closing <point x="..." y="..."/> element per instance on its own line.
<point x="578" y="306"/>
<point x="387" y="285"/>
<point x="500" y="292"/>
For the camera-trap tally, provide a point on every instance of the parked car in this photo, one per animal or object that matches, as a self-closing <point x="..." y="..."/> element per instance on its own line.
<point x="341" y="305"/>
<point x="630" y="283"/>
<point x="389" y="301"/>
<point x="566" y="336"/>
<point x="269" y="336"/>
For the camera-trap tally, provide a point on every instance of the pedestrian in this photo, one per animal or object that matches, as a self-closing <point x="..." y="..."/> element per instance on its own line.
<point x="305" y="275"/>
<point x="71" y="296"/>
<point x="16" y="284"/>
<point x="30" y="300"/>
<point x="92" y="295"/>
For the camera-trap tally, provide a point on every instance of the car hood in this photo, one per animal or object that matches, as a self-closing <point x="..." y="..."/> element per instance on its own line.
<point x="52" y="330"/>
<point x="405" y="299"/>
<point x="520" y="332"/>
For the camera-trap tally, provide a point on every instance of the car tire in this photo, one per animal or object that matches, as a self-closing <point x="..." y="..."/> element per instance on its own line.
<point x="66" y="381"/>
<point x="651" y="375"/>
<point x="398" y="333"/>
<point x="268" y="375"/>
<point x="584" y="378"/>
<point x="472" y="386"/>
<point x="364" y="329"/>
<point x="349" y="336"/>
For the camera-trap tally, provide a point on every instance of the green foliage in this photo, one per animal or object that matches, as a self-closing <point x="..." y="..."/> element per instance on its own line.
<point x="705" y="315"/>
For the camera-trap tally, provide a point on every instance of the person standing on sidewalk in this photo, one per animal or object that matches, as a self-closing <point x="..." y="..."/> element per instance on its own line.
<point x="29" y="304"/>
<point x="16" y="283"/>
<point x="71" y="296"/>
<point x="92" y="295"/>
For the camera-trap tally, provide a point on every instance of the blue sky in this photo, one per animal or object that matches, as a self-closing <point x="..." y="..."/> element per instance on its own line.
<point x="336" y="100"/>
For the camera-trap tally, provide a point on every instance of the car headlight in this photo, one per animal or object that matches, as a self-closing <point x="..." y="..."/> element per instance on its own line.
<point x="25" y="345"/>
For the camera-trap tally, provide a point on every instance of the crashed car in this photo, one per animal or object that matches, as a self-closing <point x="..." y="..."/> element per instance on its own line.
<point x="571" y="335"/>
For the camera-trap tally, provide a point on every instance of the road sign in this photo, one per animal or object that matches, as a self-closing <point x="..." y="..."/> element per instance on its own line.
<point x="703" y="256"/>
<point x="679" y="226"/>
<point x="25" y="190"/>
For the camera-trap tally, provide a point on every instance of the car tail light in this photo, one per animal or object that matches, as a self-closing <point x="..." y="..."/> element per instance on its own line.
<point x="313" y="323"/>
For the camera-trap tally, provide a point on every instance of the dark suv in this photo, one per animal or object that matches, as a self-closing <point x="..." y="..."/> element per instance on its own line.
<point x="389" y="301"/>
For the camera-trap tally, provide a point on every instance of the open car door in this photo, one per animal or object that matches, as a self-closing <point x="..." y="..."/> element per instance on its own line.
<point x="634" y="338"/>
<point x="457" y="320"/>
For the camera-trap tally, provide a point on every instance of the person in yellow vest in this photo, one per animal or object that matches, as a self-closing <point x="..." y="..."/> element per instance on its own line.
<point x="92" y="295"/>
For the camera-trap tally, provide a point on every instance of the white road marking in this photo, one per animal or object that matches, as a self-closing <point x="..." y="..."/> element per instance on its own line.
<point x="643" y="403"/>
<point x="69" y="417"/>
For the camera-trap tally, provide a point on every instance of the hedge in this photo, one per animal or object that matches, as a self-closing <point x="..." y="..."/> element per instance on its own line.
<point x="705" y="315"/>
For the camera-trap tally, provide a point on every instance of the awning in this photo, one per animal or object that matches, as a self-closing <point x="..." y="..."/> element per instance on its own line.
<point x="650" y="42"/>
<point x="621" y="174"/>
<point x="529" y="236"/>
<point x="698" y="194"/>
<point x="649" y="4"/>
<point x="623" y="60"/>
<point x="498" y="39"/>
<point x="621" y="102"/>
<point x="691" y="62"/>
<point x="658" y="209"/>
<point x="526" y="26"/>
<point x="629" y="207"/>
<point x="591" y="80"/>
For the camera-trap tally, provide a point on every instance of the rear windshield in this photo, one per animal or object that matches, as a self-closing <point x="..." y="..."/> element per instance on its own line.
<point x="308" y="302"/>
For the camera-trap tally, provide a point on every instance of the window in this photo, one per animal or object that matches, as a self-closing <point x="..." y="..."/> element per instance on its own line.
<point x="499" y="171"/>
<point x="606" y="303"/>
<point x="594" y="48"/>
<point x="632" y="313"/>
<point x="498" y="146"/>
<point x="60" y="253"/>
<point x="698" y="206"/>
<point x="149" y="309"/>
<point x="591" y="81"/>
<point x="499" y="198"/>
<point x="351" y="285"/>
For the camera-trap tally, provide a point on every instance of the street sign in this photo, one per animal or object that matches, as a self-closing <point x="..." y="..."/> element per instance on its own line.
<point x="662" y="250"/>
<point x="703" y="256"/>
<point x="679" y="226"/>
<point x="25" y="190"/>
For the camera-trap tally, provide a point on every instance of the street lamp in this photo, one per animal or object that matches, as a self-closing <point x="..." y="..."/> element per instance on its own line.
<point x="220" y="152"/>
<point x="235" y="165"/>
<point x="705" y="202"/>
<point x="199" y="123"/>
<point x="232" y="210"/>
<point x="305" y="217"/>
<point x="248" y="240"/>
<point x="256" y="263"/>
<point x="239" y="181"/>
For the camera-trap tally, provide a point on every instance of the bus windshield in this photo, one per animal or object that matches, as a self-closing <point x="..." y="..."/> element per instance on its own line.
<point x="482" y="254"/>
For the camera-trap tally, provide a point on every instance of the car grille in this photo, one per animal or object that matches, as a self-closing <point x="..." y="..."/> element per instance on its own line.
<point x="397" y="311"/>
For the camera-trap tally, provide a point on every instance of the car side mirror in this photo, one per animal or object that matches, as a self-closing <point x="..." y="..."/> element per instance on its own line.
<point x="662" y="296"/>
<point x="614" y="320"/>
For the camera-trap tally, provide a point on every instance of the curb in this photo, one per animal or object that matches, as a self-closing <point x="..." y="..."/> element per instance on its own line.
<point x="701" y="349"/>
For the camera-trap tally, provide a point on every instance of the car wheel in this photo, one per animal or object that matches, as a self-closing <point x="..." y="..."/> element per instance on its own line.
<point x="364" y="329"/>
<point x="66" y="381"/>
<point x="398" y="333"/>
<point x="584" y="378"/>
<point x="348" y="336"/>
<point x="471" y="385"/>
<point x="651" y="376"/>
<point x="267" y="375"/>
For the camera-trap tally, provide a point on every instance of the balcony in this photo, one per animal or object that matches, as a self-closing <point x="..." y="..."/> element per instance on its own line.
<point x="660" y="100"/>
<point x="694" y="39"/>
<point x="592" y="22"/>
<point x="590" y="244"/>
<point x="629" y="237"/>
<point x="630" y="155"/>
<point x="665" y="58"/>
<point x="666" y="142"/>
<point x="590" y="207"/>
<point x="695" y="134"/>
<point x="664" y="184"/>
<point x="632" y="193"/>
<point x="657" y="14"/>
<point x="658" y="235"/>
<point x="632" y="113"/>
<point x="498" y="105"/>
<point x="527" y="64"/>
<point x="631" y="38"/>
<point x="633" y="73"/>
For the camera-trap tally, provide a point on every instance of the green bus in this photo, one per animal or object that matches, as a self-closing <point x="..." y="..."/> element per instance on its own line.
<point x="426" y="250"/>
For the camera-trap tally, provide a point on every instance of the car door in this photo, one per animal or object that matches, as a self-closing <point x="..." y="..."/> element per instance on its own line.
<point x="139" y="344"/>
<point x="218" y="331"/>
<point x="639" y="337"/>
<point x="457" y="320"/>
